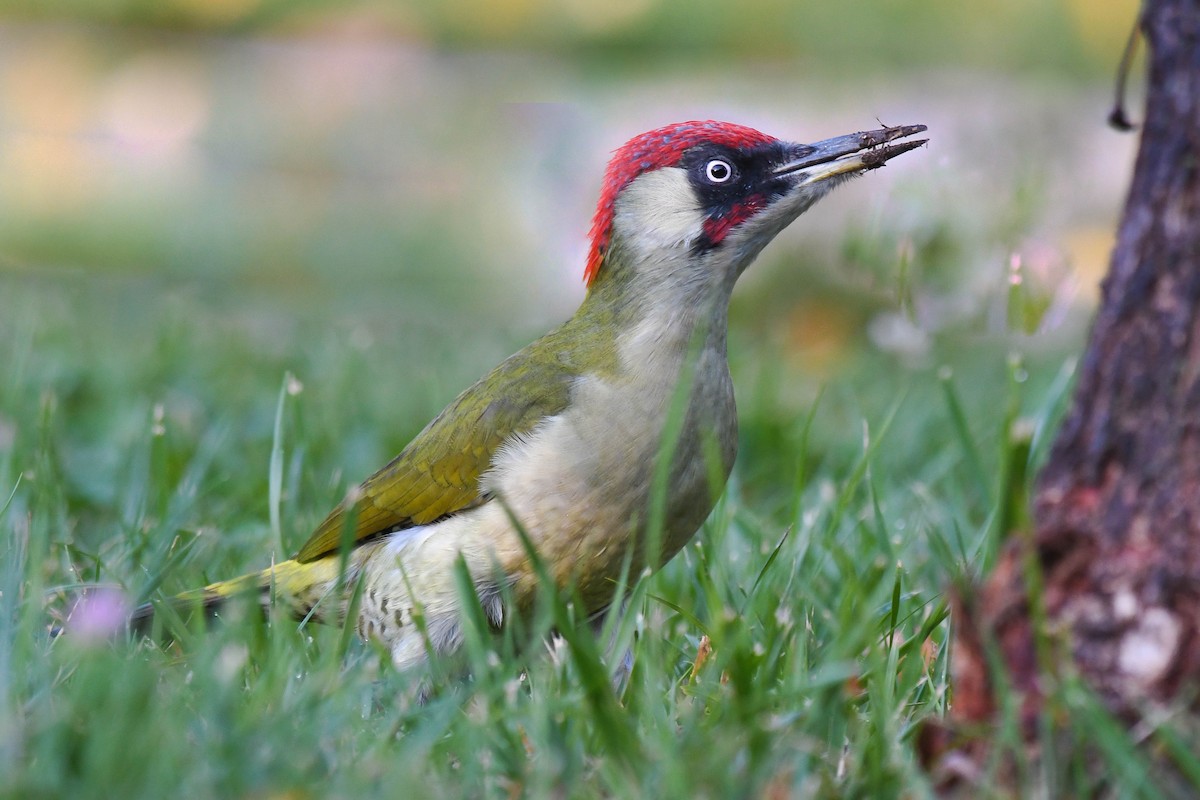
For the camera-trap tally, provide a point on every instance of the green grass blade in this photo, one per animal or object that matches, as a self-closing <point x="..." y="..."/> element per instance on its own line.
<point x="275" y="470"/>
<point x="958" y="420"/>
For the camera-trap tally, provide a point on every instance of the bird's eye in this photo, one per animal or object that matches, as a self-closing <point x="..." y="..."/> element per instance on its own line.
<point x="718" y="171"/>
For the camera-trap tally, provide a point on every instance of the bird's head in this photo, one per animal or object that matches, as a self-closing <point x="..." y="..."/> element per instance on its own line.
<point x="706" y="197"/>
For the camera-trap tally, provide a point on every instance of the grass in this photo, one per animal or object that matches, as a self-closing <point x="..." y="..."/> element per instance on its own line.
<point x="158" y="435"/>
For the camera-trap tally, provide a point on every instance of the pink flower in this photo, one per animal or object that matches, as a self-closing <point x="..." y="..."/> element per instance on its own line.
<point x="98" y="615"/>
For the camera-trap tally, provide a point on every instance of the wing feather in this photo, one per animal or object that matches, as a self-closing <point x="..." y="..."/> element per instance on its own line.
<point x="438" y="473"/>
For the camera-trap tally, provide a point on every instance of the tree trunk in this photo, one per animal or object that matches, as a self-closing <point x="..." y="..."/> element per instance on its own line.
<point x="1118" y="505"/>
<point x="1116" y="536"/>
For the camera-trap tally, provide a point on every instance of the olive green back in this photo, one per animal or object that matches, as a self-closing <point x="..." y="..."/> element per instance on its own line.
<point x="438" y="473"/>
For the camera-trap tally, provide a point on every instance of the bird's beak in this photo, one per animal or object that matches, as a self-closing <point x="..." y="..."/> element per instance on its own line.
<point x="854" y="152"/>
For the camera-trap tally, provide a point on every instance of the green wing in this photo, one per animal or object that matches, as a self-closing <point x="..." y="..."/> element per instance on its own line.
<point x="437" y="474"/>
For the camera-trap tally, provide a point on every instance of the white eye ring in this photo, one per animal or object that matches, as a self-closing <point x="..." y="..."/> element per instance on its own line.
<point x="718" y="171"/>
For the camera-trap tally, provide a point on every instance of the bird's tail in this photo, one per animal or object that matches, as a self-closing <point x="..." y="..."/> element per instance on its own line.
<point x="304" y="589"/>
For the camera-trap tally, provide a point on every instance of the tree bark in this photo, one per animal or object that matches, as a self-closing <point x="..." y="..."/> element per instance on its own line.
<point x="1116" y="536"/>
<point x="1117" y="508"/>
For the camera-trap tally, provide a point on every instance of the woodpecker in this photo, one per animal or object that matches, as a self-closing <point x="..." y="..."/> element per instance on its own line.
<point x="569" y="437"/>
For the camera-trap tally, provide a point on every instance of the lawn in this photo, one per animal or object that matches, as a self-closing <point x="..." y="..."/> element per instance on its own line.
<point x="794" y="645"/>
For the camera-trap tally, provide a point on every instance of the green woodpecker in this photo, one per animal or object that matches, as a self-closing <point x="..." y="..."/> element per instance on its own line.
<point x="565" y="437"/>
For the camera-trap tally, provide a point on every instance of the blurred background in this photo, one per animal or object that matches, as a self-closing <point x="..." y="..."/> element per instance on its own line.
<point x="197" y="196"/>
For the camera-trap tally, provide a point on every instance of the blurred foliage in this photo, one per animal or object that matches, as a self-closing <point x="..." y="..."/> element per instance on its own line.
<point x="858" y="36"/>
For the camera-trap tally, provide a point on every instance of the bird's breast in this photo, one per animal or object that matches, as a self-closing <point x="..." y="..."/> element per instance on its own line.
<point x="583" y="483"/>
